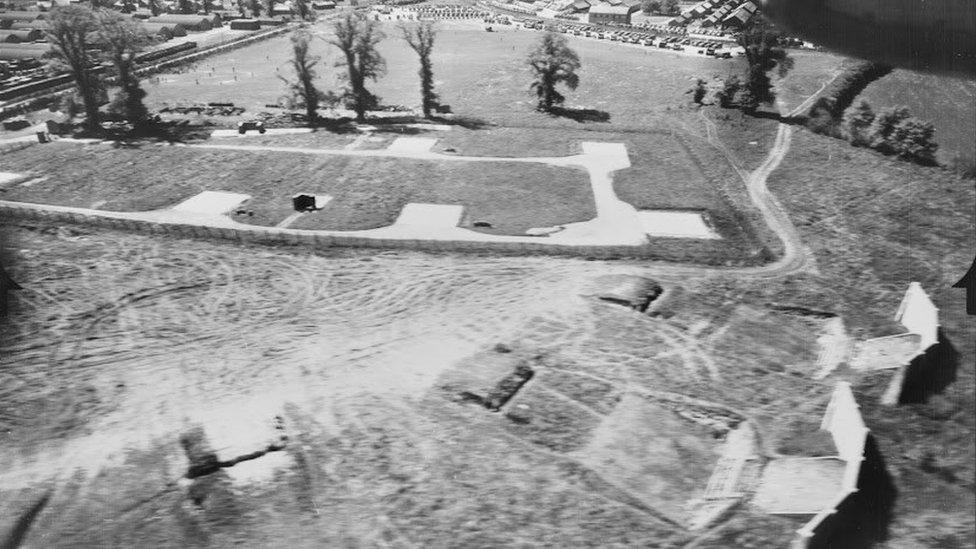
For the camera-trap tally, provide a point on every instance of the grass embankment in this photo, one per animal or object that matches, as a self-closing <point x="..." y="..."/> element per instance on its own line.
<point x="368" y="192"/>
<point x="948" y="103"/>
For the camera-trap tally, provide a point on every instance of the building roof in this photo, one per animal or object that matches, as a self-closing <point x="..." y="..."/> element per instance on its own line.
<point x="581" y="4"/>
<point x="919" y="315"/>
<point x="606" y="9"/>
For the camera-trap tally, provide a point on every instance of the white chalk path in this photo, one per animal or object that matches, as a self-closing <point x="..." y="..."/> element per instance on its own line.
<point x="255" y="133"/>
<point x="616" y="223"/>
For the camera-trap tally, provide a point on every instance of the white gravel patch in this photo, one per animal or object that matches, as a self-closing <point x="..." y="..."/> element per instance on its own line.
<point x="211" y="202"/>
<point x="9" y="177"/>
<point x="675" y="224"/>
<point x="412" y="144"/>
<point x="430" y="215"/>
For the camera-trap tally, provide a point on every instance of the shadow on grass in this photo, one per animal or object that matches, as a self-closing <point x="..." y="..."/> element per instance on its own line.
<point x="930" y="373"/>
<point x="580" y="115"/>
<point x="862" y="520"/>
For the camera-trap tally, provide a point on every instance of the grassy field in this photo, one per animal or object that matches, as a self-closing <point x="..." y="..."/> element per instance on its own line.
<point x="368" y="192"/>
<point x="479" y="74"/>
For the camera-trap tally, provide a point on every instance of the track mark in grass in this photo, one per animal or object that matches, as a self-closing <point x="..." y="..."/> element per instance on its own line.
<point x="19" y="531"/>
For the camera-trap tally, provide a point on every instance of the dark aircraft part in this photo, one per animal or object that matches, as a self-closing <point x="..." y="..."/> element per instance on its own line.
<point x="937" y="36"/>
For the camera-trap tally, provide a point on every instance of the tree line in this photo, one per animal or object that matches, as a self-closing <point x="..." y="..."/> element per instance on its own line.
<point x="892" y="131"/>
<point x="357" y="37"/>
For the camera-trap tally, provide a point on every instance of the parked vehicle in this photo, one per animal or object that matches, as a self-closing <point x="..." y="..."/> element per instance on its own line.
<point x="243" y="127"/>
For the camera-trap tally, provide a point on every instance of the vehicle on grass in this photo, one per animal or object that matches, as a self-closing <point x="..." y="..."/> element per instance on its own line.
<point x="247" y="125"/>
<point x="709" y="51"/>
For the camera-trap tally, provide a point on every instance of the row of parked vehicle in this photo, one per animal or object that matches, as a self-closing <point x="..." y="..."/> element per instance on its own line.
<point x="678" y="43"/>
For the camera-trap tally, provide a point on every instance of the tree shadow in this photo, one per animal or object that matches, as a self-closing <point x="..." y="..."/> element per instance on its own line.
<point x="930" y="373"/>
<point x="466" y="122"/>
<point x="580" y="115"/>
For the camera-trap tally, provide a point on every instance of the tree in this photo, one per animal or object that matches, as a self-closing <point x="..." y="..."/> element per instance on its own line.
<point x="651" y="6"/>
<point x="553" y="62"/>
<point x="303" y="90"/>
<point x="303" y="10"/>
<point x="882" y="130"/>
<point x="857" y="122"/>
<point x="913" y="139"/>
<point x="241" y="6"/>
<point x="255" y="7"/>
<point x="269" y="6"/>
<point x="730" y="88"/>
<point x="698" y="91"/>
<point x="760" y="40"/>
<point x="69" y="28"/>
<point x="421" y="40"/>
<point x="185" y="6"/>
<point x="155" y="7"/>
<point x="357" y="37"/>
<point x="896" y="131"/>
<point x="670" y="7"/>
<point x="121" y="38"/>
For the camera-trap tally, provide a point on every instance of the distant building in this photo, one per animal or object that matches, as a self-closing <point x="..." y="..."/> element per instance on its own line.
<point x="603" y="14"/>
<point x="581" y="5"/>
<point x="739" y="16"/>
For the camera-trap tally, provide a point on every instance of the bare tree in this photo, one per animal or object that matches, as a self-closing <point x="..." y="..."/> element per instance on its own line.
<point x="303" y="90"/>
<point x="121" y="38"/>
<point x="357" y="37"/>
<point x="69" y="29"/>
<point x="553" y="63"/>
<point x="303" y="10"/>
<point x="421" y="40"/>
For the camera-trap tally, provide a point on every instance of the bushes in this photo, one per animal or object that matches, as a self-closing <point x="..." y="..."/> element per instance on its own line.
<point x="842" y="91"/>
<point x="892" y="131"/>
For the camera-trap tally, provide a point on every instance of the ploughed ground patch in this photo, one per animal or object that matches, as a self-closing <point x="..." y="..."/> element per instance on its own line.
<point x="657" y="454"/>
